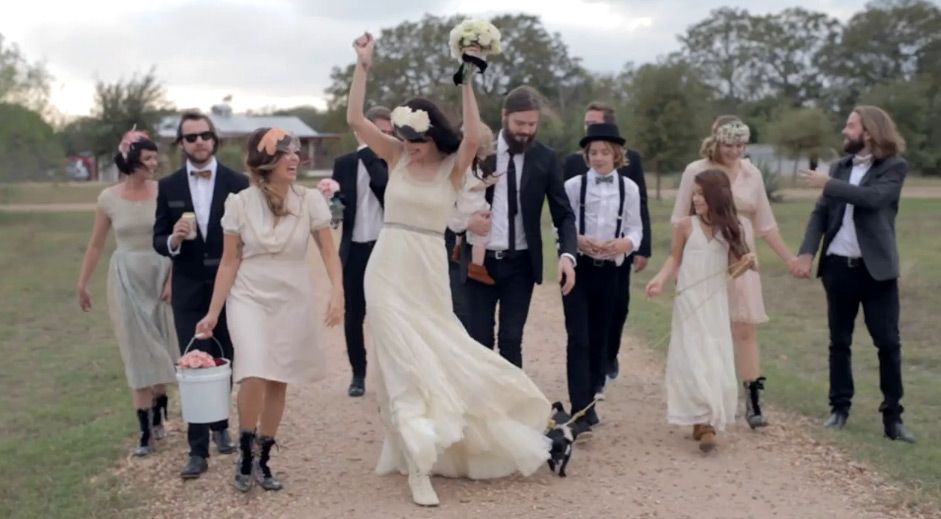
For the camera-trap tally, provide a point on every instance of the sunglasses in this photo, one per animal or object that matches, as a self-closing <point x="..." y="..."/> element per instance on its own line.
<point x="191" y="137"/>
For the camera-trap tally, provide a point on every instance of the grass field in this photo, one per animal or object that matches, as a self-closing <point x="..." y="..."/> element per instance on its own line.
<point x="67" y="413"/>
<point x="794" y="343"/>
<point x="87" y="192"/>
<point x="68" y="416"/>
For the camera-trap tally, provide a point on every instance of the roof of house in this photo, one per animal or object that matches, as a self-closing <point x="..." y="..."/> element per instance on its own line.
<point x="229" y="124"/>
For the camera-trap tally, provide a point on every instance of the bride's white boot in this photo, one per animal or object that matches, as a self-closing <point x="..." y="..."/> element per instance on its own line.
<point x="422" y="492"/>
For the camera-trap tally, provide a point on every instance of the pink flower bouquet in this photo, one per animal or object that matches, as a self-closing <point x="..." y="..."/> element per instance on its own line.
<point x="198" y="359"/>
<point x="328" y="187"/>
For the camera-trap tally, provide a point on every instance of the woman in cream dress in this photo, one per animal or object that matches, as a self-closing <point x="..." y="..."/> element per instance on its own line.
<point x="264" y="282"/>
<point x="450" y="406"/>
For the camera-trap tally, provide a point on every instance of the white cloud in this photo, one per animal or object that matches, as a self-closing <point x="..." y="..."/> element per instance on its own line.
<point x="280" y="52"/>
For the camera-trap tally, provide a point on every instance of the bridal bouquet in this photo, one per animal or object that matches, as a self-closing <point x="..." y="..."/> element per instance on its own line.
<point x="331" y="191"/>
<point x="473" y="33"/>
<point x="198" y="359"/>
<point x="480" y="33"/>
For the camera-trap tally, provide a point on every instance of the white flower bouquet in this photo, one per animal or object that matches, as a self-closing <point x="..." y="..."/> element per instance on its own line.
<point x="480" y="33"/>
<point x="473" y="33"/>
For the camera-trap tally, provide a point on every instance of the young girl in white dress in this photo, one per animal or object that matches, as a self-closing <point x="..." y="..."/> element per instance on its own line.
<point x="708" y="246"/>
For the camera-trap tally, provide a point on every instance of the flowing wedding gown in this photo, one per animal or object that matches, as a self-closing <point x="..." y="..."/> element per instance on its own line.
<point x="450" y="406"/>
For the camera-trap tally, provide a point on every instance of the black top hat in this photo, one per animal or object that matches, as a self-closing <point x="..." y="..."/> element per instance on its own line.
<point x="602" y="132"/>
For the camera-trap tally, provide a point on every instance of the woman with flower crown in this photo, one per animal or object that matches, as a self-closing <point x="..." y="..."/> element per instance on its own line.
<point x="138" y="284"/>
<point x="450" y="407"/>
<point x="724" y="149"/>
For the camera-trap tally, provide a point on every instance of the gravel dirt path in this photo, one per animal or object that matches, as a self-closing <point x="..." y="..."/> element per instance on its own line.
<point x="637" y="466"/>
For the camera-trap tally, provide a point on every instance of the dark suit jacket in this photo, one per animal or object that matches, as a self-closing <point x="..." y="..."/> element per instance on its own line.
<point x="539" y="181"/>
<point x="575" y="165"/>
<point x="875" y="204"/>
<point x="345" y="172"/>
<point x="198" y="260"/>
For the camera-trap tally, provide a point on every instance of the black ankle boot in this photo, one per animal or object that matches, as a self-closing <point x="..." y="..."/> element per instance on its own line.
<point x="752" y="403"/>
<point x="159" y="411"/>
<point x="145" y="445"/>
<point x="263" y="474"/>
<point x="243" y="468"/>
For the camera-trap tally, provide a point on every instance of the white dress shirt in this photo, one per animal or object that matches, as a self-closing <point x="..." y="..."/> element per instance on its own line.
<point x="845" y="243"/>
<point x="368" y="221"/>
<point x="602" y="211"/>
<point x="500" y="230"/>
<point x="201" y="190"/>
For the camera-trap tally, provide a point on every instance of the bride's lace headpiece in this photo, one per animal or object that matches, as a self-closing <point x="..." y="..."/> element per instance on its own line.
<point x="411" y="124"/>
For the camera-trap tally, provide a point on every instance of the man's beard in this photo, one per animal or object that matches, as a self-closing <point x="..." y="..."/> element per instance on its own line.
<point x="514" y="145"/>
<point x="854" y="145"/>
<point x="196" y="160"/>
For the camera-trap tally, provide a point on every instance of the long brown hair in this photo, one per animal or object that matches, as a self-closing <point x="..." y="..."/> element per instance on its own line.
<point x="722" y="216"/>
<point x="886" y="139"/>
<point x="260" y="164"/>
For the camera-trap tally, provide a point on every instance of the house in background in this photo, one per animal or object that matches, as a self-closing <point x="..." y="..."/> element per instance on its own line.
<point x="780" y="164"/>
<point x="236" y="128"/>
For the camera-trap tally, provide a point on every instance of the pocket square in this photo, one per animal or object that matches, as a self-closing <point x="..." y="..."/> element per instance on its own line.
<point x="176" y="204"/>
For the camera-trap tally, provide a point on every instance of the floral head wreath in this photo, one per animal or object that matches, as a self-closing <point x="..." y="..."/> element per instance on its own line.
<point x="411" y="124"/>
<point x="130" y="138"/>
<point x="735" y="132"/>
<point x="275" y="140"/>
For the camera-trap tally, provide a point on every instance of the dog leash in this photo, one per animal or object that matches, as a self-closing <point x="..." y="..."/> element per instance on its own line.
<point x="737" y="268"/>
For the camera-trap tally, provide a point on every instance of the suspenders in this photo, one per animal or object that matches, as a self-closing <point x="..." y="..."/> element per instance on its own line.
<point x="581" y="204"/>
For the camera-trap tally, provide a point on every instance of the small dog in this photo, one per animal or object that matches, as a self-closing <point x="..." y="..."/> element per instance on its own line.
<point x="562" y="439"/>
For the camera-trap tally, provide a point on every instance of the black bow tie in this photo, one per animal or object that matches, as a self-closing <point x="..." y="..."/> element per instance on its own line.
<point x="608" y="179"/>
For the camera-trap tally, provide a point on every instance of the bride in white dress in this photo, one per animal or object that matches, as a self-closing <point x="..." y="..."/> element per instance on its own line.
<point x="450" y="406"/>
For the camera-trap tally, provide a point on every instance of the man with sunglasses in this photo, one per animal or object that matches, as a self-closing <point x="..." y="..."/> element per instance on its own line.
<point x="201" y="186"/>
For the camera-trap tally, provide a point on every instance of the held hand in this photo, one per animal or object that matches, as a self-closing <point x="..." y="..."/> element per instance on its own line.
<point x="589" y="245"/>
<point x="618" y="246"/>
<point x="472" y="50"/>
<point x="752" y="260"/>
<point x="84" y="299"/>
<point x="165" y="295"/>
<point x="814" y="178"/>
<point x="566" y="275"/>
<point x="801" y="266"/>
<point x="205" y="327"/>
<point x="335" y="309"/>
<point x="364" y="46"/>
<point x="479" y="223"/>
<point x="640" y="263"/>
<point x="654" y="287"/>
<point x="180" y="229"/>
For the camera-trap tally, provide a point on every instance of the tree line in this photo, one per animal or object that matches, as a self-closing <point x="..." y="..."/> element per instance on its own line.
<point x="792" y="76"/>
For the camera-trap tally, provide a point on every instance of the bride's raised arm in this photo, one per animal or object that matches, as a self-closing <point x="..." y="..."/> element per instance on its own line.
<point x="386" y="147"/>
<point x="471" y="139"/>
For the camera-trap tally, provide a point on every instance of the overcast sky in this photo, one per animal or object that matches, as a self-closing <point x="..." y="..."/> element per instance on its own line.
<point x="280" y="52"/>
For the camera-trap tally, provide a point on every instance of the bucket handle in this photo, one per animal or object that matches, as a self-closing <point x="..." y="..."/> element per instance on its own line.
<point x="219" y="344"/>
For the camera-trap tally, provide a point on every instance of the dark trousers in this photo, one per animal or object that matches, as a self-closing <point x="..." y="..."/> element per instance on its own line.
<point x="622" y="304"/>
<point x="513" y="290"/>
<point x="458" y="292"/>
<point x="354" y="270"/>
<point x="589" y="314"/>
<point x="849" y="285"/>
<point x="185" y="319"/>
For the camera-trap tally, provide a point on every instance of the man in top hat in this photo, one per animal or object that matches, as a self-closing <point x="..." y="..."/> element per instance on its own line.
<point x="610" y="229"/>
<point x="575" y="165"/>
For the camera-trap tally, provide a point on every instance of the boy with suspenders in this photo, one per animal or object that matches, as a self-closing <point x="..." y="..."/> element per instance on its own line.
<point x="607" y="208"/>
